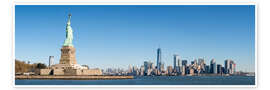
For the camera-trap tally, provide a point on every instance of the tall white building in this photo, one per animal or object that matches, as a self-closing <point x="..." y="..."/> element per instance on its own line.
<point x="175" y="59"/>
<point x="159" y="59"/>
<point x="51" y="60"/>
<point x="176" y="63"/>
<point x="227" y="66"/>
<point x="213" y="66"/>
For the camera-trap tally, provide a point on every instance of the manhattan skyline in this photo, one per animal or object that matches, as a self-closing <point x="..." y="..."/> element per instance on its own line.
<point x="118" y="36"/>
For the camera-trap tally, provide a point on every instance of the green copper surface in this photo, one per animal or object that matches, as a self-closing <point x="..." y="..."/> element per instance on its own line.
<point x="69" y="33"/>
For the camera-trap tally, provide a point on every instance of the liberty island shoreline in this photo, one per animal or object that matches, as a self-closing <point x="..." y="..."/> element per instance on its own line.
<point x="70" y="77"/>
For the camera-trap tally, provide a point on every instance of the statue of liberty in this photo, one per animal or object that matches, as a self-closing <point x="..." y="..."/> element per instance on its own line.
<point x="69" y="33"/>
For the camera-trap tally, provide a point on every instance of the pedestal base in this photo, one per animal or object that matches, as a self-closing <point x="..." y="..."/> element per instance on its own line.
<point x="68" y="55"/>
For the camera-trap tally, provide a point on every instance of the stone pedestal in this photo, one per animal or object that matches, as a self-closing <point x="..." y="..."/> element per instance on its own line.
<point x="68" y="55"/>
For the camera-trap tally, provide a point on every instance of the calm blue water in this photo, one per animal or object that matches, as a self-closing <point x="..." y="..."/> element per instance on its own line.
<point x="148" y="80"/>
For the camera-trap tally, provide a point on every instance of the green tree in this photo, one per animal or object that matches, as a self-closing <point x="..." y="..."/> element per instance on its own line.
<point x="41" y="66"/>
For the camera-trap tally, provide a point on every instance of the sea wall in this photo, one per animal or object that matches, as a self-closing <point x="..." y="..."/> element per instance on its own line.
<point x="78" y="77"/>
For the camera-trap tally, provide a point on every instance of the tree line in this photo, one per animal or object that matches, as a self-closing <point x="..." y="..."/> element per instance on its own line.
<point x="23" y="67"/>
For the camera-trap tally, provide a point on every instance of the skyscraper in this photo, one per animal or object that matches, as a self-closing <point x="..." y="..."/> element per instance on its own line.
<point x="159" y="59"/>
<point x="51" y="59"/>
<point x="148" y="67"/>
<point x="178" y="66"/>
<point x="162" y="67"/>
<point x="184" y="62"/>
<point x="201" y="64"/>
<point x="130" y="69"/>
<point x="169" y="70"/>
<point x="179" y="62"/>
<point x="152" y="66"/>
<point x="207" y="69"/>
<point x="184" y="65"/>
<point x="142" y="70"/>
<point x="213" y="66"/>
<point x="135" y="70"/>
<point x="176" y="62"/>
<point x="183" y="70"/>
<point x="232" y="67"/>
<point x="194" y="62"/>
<point x="201" y="61"/>
<point x="227" y="66"/>
<point x="219" y="68"/>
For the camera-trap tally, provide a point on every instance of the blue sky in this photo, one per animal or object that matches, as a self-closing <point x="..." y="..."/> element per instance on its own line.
<point x="120" y="35"/>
